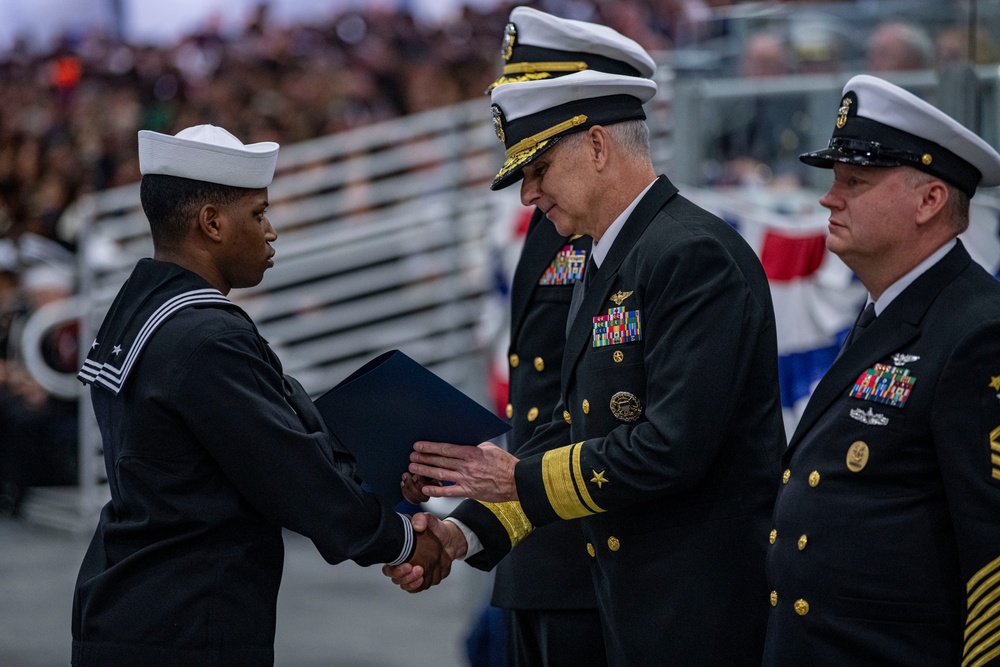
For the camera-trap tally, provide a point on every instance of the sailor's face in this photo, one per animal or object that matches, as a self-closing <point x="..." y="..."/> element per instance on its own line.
<point x="248" y="239"/>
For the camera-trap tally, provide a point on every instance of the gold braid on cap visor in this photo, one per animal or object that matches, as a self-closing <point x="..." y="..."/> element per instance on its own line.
<point x="527" y="68"/>
<point x="526" y="148"/>
<point x="519" y="72"/>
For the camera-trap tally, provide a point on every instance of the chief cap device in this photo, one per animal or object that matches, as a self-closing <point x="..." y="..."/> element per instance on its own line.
<point x="882" y="125"/>
<point x="208" y="153"/>
<point x="537" y="46"/>
<point x="531" y="117"/>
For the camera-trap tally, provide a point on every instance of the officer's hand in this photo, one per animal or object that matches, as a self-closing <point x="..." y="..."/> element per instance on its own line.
<point x="484" y="473"/>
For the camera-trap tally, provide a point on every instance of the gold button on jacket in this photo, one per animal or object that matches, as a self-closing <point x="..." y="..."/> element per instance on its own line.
<point x="614" y="544"/>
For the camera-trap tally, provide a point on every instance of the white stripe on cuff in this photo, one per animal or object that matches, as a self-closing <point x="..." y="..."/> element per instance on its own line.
<point x="407" y="541"/>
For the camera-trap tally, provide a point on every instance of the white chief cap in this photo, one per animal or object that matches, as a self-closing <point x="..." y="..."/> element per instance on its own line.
<point x="531" y="117"/>
<point x="537" y="45"/>
<point x="208" y="153"/>
<point x="882" y="125"/>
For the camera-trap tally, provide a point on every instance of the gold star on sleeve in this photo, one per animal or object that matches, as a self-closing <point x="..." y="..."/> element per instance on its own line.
<point x="599" y="479"/>
<point x="995" y="382"/>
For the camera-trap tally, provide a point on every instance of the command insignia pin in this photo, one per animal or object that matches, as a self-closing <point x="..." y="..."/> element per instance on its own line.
<point x="626" y="406"/>
<point x="857" y="456"/>
<point x="871" y="418"/>
<point x="903" y="359"/>
<point x="619" y="296"/>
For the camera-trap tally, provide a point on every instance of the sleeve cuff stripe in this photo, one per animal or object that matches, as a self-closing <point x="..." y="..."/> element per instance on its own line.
<point x="977" y="658"/>
<point x="991" y="573"/>
<point x="558" y="480"/>
<point x="512" y="517"/>
<point x="581" y="483"/>
<point x="407" y="551"/>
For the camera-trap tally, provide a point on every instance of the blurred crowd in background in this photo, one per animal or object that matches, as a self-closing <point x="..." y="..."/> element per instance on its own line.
<point x="69" y="114"/>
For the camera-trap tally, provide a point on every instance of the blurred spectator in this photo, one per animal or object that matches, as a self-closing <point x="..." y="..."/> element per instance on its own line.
<point x="895" y="47"/>
<point x="952" y="46"/>
<point x="38" y="432"/>
<point x="762" y="138"/>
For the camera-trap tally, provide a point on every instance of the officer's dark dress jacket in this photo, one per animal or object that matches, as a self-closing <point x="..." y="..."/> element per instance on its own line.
<point x="549" y="570"/>
<point x="677" y="436"/>
<point x="885" y="545"/>
<point x="206" y="463"/>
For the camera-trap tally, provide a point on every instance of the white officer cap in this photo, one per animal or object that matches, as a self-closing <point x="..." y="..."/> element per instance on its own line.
<point x="208" y="153"/>
<point x="531" y="117"/>
<point x="882" y="125"/>
<point x="537" y="45"/>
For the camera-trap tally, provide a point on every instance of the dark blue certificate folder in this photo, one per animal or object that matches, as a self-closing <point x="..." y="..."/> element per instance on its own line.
<point x="385" y="406"/>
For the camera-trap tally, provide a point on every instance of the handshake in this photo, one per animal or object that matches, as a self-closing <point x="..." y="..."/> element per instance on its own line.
<point x="483" y="473"/>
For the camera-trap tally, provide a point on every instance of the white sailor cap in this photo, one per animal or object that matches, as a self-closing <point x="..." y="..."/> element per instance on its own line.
<point x="208" y="153"/>
<point x="882" y="125"/>
<point x="537" y="46"/>
<point x="531" y="117"/>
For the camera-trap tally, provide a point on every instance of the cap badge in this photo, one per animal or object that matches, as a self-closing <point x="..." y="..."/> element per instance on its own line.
<point x="498" y="123"/>
<point x="620" y="296"/>
<point x="626" y="406"/>
<point x="845" y="106"/>
<point x="509" y="37"/>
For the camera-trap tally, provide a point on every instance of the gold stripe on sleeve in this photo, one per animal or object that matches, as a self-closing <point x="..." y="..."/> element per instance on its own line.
<point x="982" y="625"/>
<point x="513" y="518"/>
<point x="984" y="653"/>
<point x="558" y="480"/>
<point x="991" y="569"/>
<point x="581" y="483"/>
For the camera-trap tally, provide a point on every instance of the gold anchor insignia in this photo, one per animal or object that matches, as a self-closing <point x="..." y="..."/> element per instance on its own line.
<point x="498" y="123"/>
<point x="842" y="112"/>
<point x="509" y="37"/>
<point x="619" y="296"/>
<point x="599" y="479"/>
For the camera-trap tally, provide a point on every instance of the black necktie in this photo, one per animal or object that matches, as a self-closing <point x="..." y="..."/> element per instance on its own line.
<point x="866" y="317"/>
<point x="579" y="288"/>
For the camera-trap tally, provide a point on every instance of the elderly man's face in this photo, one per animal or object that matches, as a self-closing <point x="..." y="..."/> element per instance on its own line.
<point x="559" y="183"/>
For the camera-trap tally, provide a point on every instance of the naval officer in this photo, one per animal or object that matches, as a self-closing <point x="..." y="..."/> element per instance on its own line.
<point x="885" y="545"/>
<point x="669" y="381"/>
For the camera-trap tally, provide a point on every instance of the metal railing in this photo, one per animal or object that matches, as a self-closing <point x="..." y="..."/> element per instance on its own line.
<point x="384" y="239"/>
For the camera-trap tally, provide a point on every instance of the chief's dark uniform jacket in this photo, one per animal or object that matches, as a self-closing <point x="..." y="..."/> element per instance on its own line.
<point x="886" y="536"/>
<point x="549" y="570"/>
<point x="678" y="436"/>
<point x="206" y="462"/>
